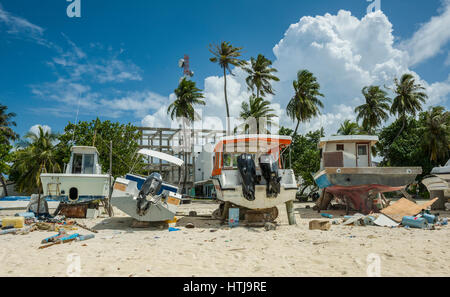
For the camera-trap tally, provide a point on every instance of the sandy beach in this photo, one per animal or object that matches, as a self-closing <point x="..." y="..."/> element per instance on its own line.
<point x="212" y="249"/>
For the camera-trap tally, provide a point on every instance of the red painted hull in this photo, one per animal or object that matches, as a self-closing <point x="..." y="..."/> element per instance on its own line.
<point x="359" y="195"/>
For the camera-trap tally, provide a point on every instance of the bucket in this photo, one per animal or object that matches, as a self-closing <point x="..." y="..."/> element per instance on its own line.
<point x="414" y="222"/>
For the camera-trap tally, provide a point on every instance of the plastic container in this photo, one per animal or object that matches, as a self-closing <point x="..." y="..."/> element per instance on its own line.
<point x="431" y="219"/>
<point x="26" y="215"/>
<point x="414" y="222"/>
<point x="16" y="222"/>
<point x="326" y="215"/>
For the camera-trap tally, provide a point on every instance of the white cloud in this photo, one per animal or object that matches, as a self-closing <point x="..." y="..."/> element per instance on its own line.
<point x="21" y="28"/>
<point x="35" y="129"/>
<point x="429" y="39"/>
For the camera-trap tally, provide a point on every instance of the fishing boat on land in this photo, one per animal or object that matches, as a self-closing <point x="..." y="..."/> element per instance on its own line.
<point x="348" y="175"/>
<point x="82" y="181"/>
<point x="248" y="173"/>
<point x="148" y="199"/>
<point x="438" y="184"/>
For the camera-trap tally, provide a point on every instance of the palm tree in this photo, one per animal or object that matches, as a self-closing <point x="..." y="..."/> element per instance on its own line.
<point x="226" y="55"/>
<point x="375" y="110"/>
<point x="188" y="95"/>
<point x="408" y="100"/>
<point x="256" y="108"/>
<point x="349" y="128"/>
<point x="436" y="132"/>
<point x="36" y="154"/>
<point x="260" y="75"/>
<point x="6" y="135"/>
<point x="6" y="122"/>
<point x="305" y="104"/>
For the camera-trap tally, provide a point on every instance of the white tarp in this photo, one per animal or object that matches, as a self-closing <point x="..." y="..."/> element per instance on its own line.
<point x="162" y="156"/>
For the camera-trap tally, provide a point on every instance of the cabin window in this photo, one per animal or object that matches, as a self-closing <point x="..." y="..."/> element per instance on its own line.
<point x="77" y="163"/>
<point x="362" y="150"/>
<point x="339" y="147"/>
<point x="88" y="164"/>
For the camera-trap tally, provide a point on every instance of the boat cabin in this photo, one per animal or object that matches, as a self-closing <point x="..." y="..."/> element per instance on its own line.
<point x="84" y="160"/>
<point x="229" y="148"/>
<point x="346" y="151"/>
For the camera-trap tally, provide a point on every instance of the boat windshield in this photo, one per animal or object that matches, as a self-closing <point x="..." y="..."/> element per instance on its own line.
<point x="77" y="163"/>
<point x="88" y="164"/>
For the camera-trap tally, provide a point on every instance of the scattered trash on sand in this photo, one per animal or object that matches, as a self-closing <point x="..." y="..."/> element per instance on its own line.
<point x="404" y="207"/>
<point x="319" y="225"/>
<point x="190" y="225"/>
<point x="384" y="221"/>
<point x="270" y="226"/>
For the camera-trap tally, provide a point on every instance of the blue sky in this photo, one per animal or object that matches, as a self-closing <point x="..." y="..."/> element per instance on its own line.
<point x="121" y="56"/>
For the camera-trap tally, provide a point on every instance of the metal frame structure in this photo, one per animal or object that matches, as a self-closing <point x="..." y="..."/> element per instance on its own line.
<point x="170" y="141"/>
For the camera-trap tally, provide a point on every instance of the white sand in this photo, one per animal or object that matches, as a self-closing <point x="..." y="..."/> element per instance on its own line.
<point x="118" y="250"/>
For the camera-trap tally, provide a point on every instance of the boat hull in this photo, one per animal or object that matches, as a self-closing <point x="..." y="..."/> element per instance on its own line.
<point x="236" y="196"/>
<point x="124" y="197"/>
<point x="355" y="185"/>
<point x="76" y="188"/>
<point x="349" y="177"/>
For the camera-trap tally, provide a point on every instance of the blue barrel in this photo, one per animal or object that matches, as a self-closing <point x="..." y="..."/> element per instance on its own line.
<point x="414" y="222"/>
<point x="431" y="219"/>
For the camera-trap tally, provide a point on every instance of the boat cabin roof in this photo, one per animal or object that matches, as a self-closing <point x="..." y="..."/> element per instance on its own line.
<point x="161" y="156"/>
<point x="372" y="139"/>
<point x="253" y="143"/>
<point x="84" y="150"/>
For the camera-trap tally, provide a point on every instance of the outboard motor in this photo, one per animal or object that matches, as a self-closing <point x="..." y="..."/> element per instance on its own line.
<point x="269" y="170"/>
<point x="247" y="169"/>
<point x="151" y="186"/>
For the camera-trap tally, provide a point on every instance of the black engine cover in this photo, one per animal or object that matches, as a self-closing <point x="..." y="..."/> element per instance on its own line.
<point x="269" y="170"/>
<point x="247" y="169"/>
<point x="151" y="186"/>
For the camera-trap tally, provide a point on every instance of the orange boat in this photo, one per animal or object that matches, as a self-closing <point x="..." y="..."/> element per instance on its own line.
<point x="248" y="172"/>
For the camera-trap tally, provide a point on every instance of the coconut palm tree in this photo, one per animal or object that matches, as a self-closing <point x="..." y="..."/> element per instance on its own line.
<point x="260" y="75"/>
<point x="350" y="128"/>
<point x="35" y="154"/>
<point x="408" y="100"/>
<point x="436" y="132"/>
<point x="6" y="133"/>
<point x="226" y="55"/>
<point x="375" y="110"/>
<point x="305" y="104"/>
<point x="257" y="108"/>
<point x="187" y="95"/>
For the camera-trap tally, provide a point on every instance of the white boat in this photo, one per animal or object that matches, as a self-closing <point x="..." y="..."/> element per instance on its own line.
<point x="83" y="180"/>
<point x="147" y="199"/>
<point x="248" y="172"/>
<point x="438" y="184"/>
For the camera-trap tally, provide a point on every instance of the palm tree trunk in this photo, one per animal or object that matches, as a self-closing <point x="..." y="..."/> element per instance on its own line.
<point x="226" y="99"/>
<point x="401" y="129"/>
<point x="185" y="159"/>
<point x="296" y="128"/>
<point x="2" y="180"/>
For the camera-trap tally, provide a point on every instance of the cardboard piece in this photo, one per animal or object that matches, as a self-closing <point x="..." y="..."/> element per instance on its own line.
<point x="385" y="221"/>
<point x="404" y="207"/>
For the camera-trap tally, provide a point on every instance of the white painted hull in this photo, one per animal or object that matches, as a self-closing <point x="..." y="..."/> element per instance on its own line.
<point x="89" y="186"/>
<point x="438" y="182"/>
<point x="261" y="200"/>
